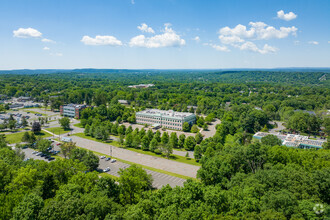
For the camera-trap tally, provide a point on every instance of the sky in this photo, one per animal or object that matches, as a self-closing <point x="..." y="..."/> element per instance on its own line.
<point x="164" y="34"/>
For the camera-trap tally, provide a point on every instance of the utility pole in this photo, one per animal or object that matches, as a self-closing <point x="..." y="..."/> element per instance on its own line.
<point x="111" y="150"/>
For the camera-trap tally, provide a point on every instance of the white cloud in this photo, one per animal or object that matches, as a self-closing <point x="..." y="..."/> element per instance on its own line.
<point x="168" y="39"/>
<point x="230" y="39"/>
<point x="47" y="40"/>
<point x="197" y="39"/>
<point x="101" y="40"/>
<point x="56" y="54"/>
<point x="288" y="17"/>
<point x="46" y="48"/>
<point x="313" y="42"/>
<point x="218" y="47"/>
<point x="250" y="46"/>
<point x="264" y="31"/>
<point x="133" y="2"/>
<point x="145" y="28"/>
<point x="239" y="30"/>
<point x="27" y="33"/>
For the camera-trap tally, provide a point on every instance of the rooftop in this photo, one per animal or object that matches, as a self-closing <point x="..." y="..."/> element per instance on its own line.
<point x="75" y="105"/>
<point x="169" y="113"/>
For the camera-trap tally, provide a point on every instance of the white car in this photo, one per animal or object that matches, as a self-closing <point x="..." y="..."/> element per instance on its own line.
<point x="113" y="160"/>
<point x="106" y="169"/>
<point x="34" y="152"/>
<point x="102" y="157"/>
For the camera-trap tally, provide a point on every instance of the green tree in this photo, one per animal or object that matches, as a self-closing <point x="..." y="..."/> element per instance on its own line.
<point x="186" y="127"/>
<point x="189" y="143"/>
<point x="129" y="140"/>
<point x="165" y="138"/>
<point x="88" y="158"/>
<point x="87" y="130"/>
<point x="134" y="181"/>
<point x="43" y="145"/>
<point x="157" y="136"/>
<point x="26" y="137"/>
<point x="271" y="140"/>
<point x="67" y="148"/>
<point x="153" y="145"/>
<point x="29" y="207"/>
<point x="198" y="153"/>
<point x="145" y="143"/>
<point x="182" y="139"/>
<point x="65" y="123"/>
<point x="166" y="149"/>
<point x="174" y="140"/>
<point x="198" y="138"/>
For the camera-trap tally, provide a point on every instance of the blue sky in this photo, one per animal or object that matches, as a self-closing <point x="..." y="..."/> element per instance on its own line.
<point x="165" y="34"/>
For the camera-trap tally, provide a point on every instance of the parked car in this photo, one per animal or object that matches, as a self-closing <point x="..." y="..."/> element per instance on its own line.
<point x="113" y="160"/>
<point x="34" y="152"/>
<point x="107" y="159"/>
<point x="51" y="158"/>
<point x="26" y="159"/>
<point x="39" y="154"/>
<point x="102" y="157"/>
<point x="106" y="169"/>
<point x="58" y="144"/>
<point x="24" y="147"/>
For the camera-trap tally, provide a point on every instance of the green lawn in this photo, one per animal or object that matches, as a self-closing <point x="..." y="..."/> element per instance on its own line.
<point x="57" y="130"/>
<point x="14" y="130"/>
<point x="78" y="125"/>
<point x="177" y="158"/>
<point x="17" y="137"/>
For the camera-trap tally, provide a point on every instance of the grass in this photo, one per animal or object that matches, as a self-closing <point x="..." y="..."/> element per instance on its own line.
<point x="57" y="130"/>
<point x="78" y="125"/>
<point x="15" y="130"/>
<point x="17" y="137"/>
<point x="176" y="158"/>
<point x="116" y="178"/>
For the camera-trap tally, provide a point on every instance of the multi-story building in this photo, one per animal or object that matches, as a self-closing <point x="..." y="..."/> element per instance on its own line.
<point x="71" y="110"/>
<point x="167" y="119"/>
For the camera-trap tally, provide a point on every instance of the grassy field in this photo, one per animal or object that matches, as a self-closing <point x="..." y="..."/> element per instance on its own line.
<point x="14" y="130"/>
<point x="57" y="130"/>
<point x="78" y="125"/>
<point x="17" y="137"/>
<point x="176" y="158"/>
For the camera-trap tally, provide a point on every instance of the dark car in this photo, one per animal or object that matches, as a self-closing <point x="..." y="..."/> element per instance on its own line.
<point x="51" y="158"/>
<point x="42" y="155"/>
<point x="107" y="159"/>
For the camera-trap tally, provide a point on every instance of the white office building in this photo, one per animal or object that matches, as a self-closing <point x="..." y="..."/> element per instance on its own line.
<point x="167" y="119"/>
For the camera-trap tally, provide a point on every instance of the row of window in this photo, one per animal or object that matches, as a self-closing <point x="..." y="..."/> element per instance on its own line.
<point x="163" y="119"/>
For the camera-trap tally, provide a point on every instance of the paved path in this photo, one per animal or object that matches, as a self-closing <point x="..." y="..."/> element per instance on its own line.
<point x="147" y="160"/>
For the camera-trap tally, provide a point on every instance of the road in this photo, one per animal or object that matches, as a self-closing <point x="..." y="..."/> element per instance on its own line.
<point x="147" y="160"/>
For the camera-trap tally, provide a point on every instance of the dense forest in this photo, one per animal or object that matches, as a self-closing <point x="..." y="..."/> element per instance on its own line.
<point x="239" y="178"/>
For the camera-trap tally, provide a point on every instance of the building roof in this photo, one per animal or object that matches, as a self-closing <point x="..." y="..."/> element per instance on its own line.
<point x="75" y="105"/>
<point x="164" y="113"/>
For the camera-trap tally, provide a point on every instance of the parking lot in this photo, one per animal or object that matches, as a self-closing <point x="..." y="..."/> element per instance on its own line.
<point x="159" y="179"/>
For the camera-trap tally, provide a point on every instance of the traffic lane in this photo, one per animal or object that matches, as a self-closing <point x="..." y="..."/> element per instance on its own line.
<point x="159" y="179"/>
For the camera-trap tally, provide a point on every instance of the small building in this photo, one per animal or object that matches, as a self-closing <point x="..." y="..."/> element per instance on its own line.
<point x="24" y="98"/>
<point x="16" y="105"/>
<point x="167" y="119"/>
<point x="72" y="110"/>
<point x="123" y="102"/>
<point x="66" y="139"/>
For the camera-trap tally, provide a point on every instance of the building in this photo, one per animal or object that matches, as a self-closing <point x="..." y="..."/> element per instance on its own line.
<point x="141" y="86"/>
<point x="71" y="110"/>
<point x="123" y="102"/>
<point x="23" y="99"/>
<point x="167" y="119"/>
<point x="293" y="140"/>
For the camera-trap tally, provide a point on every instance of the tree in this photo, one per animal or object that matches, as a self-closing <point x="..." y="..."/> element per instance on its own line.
<point x="198" y="153"/>
<point x="271" y="140"/>
<point x="65" y="123"/>
<point x="29" y="207"/>
<point x="134" y="181"/>
<point x="166" y="149"/>
<point x="121" y="139"/>
<point x="43" y="145"/>
<point x="182" y="139"/>
<point x="205" y="127"/>
<point x="186" y="127"/>
<point x="153" y="145"/>
<point x="145" y="143"/>
<point x="67" y="148"/>
<point x="200" y="122"/>
<point x="157" y="136"/>
<point x="174" y="140"/>
<point x="129" y="140"/>
<point x="26" y="137"/>
<point x="12" y="124"/>
<point x="24" y="122"/>
<point x="191" y="110"/>
<point x="88" y="158"/>
<point x="189" y="143"/>
<point x="198" y="138"/>
<point x="165" y="138"/>
<point x="86" y="131"/>
<point x="210" y="118"/>
<point x="136" y="141"/>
